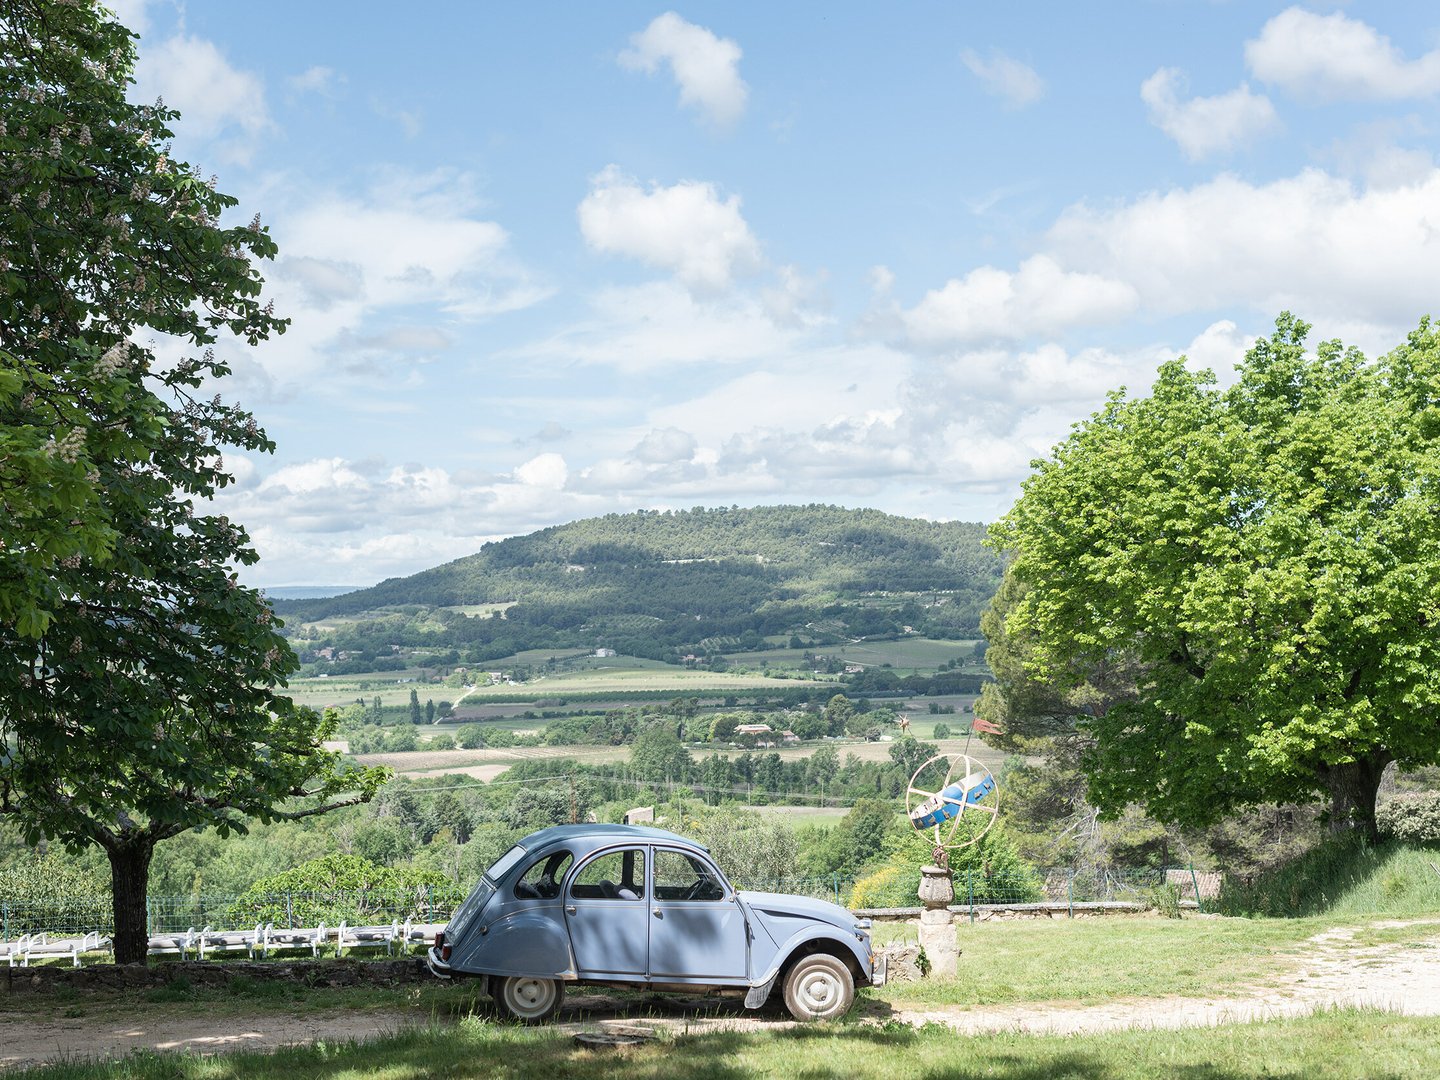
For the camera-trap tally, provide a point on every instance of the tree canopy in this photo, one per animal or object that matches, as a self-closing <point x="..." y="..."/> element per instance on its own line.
<point x="1262" y="561"/>
<point x="138" y="679"/>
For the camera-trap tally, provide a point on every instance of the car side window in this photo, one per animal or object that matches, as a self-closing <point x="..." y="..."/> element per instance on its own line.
<point x="616" y="875"/>
<point x="542" y="881"/>
<point x="679" y="876"/>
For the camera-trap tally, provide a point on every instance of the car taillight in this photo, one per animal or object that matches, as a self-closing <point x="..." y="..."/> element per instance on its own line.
<point x="440" y="945"/>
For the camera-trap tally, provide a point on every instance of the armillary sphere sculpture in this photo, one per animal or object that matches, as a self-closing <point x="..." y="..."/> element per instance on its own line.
<point x="943" y="791"/>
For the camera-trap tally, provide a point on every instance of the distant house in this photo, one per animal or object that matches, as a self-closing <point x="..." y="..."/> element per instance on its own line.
<point x="789" y="737"/>
<point x="854" y="669"/>
<point x="753" y="729"/>
<point x="604" y="652"/>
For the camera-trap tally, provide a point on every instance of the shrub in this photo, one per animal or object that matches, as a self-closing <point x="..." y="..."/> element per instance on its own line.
<point x="886" y="887"/>
<point x="50" y="892"/>
<point x="1413" y="817"/>
<point x="336" y="888"/>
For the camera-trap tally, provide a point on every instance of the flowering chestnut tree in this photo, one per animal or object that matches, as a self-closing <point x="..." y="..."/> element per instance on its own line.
<point x="139" y="682"/>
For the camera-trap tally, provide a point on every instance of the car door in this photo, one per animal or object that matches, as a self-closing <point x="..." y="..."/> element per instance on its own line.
<point x="608" y="918"/>
<point x="697" y="929"/>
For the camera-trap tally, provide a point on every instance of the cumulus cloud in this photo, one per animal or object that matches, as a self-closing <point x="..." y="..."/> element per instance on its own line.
<point x="687" y="228"/>
<point x="1337" y="58"/>
<point x="1005" y="77"/>
<point x="317" y="79"/>
<point x="546" y="470"/>
<point x="1206" y="125"/>
<point x="379" y="279"/>
<point x="132" y="13"/>
<point x="660" y="325"/>
<point x="1039" y="298"/>
<point x="1312" y="243"/>
<point x="217" y="102"/>
<point x="706" y="68"/>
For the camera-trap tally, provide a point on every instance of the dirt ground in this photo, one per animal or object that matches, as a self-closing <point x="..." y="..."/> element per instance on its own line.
<point x="1334" y="971"/>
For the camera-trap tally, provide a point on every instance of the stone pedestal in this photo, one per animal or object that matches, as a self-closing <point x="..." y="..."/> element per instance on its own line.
<point x="937" y="929"/>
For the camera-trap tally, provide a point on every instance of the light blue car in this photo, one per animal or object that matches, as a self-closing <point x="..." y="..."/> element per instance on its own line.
<point x="634" y="907"/>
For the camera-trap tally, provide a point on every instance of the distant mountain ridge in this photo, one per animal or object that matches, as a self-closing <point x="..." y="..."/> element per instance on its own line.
<point x="764" y="568"/>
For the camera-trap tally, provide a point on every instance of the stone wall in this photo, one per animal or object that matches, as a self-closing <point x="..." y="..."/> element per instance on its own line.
<point x="47" y="979"/>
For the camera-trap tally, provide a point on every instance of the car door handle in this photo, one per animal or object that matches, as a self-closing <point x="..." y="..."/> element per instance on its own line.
<point x="657" y="913"/>
<point x="569" y="909"/>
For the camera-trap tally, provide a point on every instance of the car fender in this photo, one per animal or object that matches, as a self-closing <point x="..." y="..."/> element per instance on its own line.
<point x="533" y="942"/>
<point x="849" y="948"/>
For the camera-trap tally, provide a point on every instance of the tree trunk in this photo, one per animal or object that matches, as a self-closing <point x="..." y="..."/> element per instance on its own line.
<point x="129" y="878"/>
<point x="1353" y="788"/>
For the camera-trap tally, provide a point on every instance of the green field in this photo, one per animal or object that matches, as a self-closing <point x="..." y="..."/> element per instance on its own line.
<point x="663" y="678"/>
<point x="907" y="655"/>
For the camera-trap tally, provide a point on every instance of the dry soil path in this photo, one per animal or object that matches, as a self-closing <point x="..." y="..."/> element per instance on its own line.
<point x="1335" y="970"/>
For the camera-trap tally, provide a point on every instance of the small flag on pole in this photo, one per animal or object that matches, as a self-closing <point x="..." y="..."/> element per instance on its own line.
<point x="979" y="724"/>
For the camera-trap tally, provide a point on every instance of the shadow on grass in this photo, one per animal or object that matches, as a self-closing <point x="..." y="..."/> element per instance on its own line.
<point x="1314" y="884"/>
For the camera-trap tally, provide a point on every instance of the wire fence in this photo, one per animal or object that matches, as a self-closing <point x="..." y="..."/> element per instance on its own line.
<point x="436" y="903"/>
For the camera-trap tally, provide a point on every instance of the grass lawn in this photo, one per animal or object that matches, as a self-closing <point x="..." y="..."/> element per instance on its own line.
<point x="1095" y="960"/>
<point x="1341" y="1044"/>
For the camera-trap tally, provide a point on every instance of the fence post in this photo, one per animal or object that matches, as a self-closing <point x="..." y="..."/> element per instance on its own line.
<point x="5" y="921"/>
<point x="289" y="912"/>
<point x="1199" y="904"/>
<point x="429" y="905"/>
<point x="1070" y="892"/>
<point x="970" y="891"/>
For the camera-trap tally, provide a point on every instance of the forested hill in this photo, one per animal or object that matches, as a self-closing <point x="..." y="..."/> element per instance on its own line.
<point x="767" y="568"/>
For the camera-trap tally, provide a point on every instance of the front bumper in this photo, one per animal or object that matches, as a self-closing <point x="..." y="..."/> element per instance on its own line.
<point x="879" y="968"/>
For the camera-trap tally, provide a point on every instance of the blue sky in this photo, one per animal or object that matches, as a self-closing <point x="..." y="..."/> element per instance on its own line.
<point x="551" y="261"/>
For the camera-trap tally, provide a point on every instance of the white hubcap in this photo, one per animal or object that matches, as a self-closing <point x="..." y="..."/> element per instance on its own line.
<point x="529" y="996"/>
<point x="818" y="991"/>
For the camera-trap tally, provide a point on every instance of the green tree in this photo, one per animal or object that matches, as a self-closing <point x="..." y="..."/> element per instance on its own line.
<point x="821" y="767"/>
<point x="416" y="716"/>
<point x="658" y="755"/>
<point x="838" y="713"/>
<point x="1266" y="558"/>
<point x="138" y="680"/>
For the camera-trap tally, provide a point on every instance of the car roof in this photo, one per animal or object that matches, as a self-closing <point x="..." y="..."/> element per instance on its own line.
<point x="593" y="835"/>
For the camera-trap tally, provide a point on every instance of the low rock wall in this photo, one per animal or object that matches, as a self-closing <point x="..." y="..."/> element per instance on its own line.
<point x="985" y="912"/>
<point x="47" y="979"/>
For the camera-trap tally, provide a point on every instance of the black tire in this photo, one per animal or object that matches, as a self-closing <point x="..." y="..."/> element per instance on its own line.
<point x="528" y="999"/>
<point x="819" y="987"/>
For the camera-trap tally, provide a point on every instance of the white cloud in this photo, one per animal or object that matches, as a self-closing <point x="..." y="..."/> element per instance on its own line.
<point x="546" y="470"/>
<point x="316" y="80"/>
<point x="311" y="476"/>
<point x="1005" y="77"/>
<point x="686" y="228"/>
<point x="661" y="325"/>
<point x="989" y="304"/>
<point x="705" y="67"/>
<point x="216" y="101"/>
<point x="1312" y="243"/>
<point x="1206" y="125"/>
<point x="1337" y="58"/>
<point x="132" y="13"/>
<point x="662" y="446"/>
<point x="379" y="279"/>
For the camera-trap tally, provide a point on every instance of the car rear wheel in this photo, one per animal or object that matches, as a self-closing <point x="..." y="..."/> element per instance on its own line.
<point x="819" y="987"/>
<point x="528" y="999"/>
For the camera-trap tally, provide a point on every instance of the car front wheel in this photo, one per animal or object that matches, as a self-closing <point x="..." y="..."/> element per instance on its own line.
<point x="819" y="987"/>
<point x="527" y="999"/>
